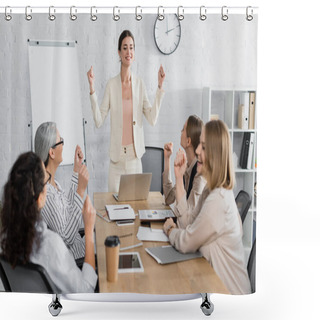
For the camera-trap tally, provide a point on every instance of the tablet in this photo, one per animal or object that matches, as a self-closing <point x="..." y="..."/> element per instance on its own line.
<point x="130" y="262"/>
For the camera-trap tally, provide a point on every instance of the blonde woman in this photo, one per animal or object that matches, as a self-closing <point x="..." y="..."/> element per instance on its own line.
<point x="214" y="227"/>
<point x="126" y="98"/>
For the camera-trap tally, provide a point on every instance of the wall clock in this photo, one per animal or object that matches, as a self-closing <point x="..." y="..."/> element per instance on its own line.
<point x="167" y="33"/>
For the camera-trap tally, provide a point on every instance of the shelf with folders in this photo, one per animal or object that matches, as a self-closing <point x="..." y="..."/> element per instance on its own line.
<point x="237" y="108"/>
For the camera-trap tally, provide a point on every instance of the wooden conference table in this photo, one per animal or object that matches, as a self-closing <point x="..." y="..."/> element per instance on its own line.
<point x="187" y="277"/>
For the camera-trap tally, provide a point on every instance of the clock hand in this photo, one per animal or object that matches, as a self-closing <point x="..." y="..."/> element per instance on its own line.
<point x="169" y="30"/>
<point x="167" y="26"/>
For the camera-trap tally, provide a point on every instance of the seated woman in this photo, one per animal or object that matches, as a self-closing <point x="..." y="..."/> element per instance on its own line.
<point x="192" y="179"/>
<point x="25" y="237"/>
<point x="62" y="212"/>
<point x="214" y="227"/>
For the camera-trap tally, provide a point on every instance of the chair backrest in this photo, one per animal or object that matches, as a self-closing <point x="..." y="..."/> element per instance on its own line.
<point x="252" y="267"/>
<point x="243" y="201"/>
<point x="30" y="277"/>
<point x="153" y="161"/>
<point x="4" y="279"/>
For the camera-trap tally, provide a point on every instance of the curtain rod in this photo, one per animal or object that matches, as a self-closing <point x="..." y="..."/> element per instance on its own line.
<point x="125" y="9"/>
<point x="139" y="11"/>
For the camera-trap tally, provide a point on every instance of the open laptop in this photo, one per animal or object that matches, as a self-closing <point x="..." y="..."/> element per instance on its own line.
<point x="134" y="187"/>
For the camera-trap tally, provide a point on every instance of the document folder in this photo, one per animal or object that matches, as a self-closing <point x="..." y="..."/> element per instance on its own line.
<point x="168" y="254"/>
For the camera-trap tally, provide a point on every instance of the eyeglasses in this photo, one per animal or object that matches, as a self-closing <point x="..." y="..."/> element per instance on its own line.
<point x="49" y="179"/>
<point x="60" y="142"/>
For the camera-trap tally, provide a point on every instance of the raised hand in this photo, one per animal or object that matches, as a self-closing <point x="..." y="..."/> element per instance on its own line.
<point x="168" y="149"/>
<point x="83" y="178"/>
<point x="91" y="79"/>
<point x="180" y="164"/>
<point x="161" y="77"/>
<point x="78" y="158"/>
<point x="88" y="213"/>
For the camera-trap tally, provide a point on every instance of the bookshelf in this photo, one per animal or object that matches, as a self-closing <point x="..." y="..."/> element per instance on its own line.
<point x="224" y="104"/>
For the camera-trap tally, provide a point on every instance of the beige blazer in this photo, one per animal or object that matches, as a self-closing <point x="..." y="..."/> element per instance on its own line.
<point x="169" y="190"/>
<point x="214" y="228"/>
<point x="112" y="101"/>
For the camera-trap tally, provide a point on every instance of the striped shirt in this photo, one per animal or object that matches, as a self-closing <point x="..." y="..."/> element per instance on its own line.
<point x="63" y="215"/>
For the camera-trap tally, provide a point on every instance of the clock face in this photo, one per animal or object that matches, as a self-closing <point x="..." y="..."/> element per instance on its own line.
<point x="167" y="33"/>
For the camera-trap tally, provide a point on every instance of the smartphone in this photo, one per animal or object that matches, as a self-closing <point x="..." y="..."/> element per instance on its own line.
<point x="124" y="222"/>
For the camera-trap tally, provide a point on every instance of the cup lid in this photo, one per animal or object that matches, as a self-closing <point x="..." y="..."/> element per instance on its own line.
<point x="112" y="241"/>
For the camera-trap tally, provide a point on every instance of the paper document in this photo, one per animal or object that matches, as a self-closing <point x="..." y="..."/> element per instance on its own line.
<point x="155" y="215"/>
<point x="146" y="234"/>
<point x="120" y="212"/>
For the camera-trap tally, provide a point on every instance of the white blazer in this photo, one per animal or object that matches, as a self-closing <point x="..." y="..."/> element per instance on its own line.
<point x="112" y="101"/>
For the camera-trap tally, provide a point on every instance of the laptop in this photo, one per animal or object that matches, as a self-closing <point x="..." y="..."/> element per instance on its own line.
<point x="134" y="187"/>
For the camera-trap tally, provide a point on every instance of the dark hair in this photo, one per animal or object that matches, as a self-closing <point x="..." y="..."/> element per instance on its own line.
<point x="124" y="34"/>
<point x="20" y="210"/>
<point x="193" y="130"/>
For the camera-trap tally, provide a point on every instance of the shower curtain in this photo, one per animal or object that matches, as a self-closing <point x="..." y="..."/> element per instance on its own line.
<point x="210" y="71"/>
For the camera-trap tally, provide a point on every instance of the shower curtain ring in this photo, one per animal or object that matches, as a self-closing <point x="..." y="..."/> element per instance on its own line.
<point x="160" y="15"/>
<point x="249" y="17"/>
<point x="203" y="13"/>
<point x="224" y="13"/>
<point x="52" y="17"/>
<point x="116" y="17"/>
<point x="28" y="15"/>
<point x="180" y="15"/>
<point x="138" y="16"/>
<point x="73" y="16"/>
<point x="8" y="17"/>
<point x="93" y="17"/>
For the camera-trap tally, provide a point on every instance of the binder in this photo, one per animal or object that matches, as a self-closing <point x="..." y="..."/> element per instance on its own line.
<point x="243" y="111"/>
<point x="250" y="152"/>
<point x="245" y="150"/>
<point x="252" y="98"/>
<point x="243" y="117"/>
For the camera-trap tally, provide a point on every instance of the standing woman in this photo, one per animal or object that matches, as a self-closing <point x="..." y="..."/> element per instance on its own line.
<point x="214" y="227"/>
<point x="126" y="98"/>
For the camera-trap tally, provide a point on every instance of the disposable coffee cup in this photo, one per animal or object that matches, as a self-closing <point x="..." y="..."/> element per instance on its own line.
<point x="112" y="245"/>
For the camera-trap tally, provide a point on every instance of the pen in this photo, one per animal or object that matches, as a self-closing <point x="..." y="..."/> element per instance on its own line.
<point x="126" y="235"/>
<point x="102" y="217"/>
<point x="121" y="208"/>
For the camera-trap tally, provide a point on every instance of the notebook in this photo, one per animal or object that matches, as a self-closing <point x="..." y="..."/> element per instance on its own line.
<point x="120" y="212"/>
<point x="168" y="254"/>
<point x="134" y="187"/>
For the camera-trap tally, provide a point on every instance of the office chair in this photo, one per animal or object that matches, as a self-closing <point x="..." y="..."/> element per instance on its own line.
<point x="243" y="201"/>
<point x="153" y="161"/>
<point x="31" y="278"/>
<point x="252" y="267"/>
<point x="26" y="278"/>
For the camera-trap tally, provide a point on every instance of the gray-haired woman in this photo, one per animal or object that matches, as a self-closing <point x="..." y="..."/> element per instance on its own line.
<point x="62" y="212"/>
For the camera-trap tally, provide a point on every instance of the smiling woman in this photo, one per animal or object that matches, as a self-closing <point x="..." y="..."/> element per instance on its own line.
<point x="214" y="227"/>
<point x="62" y="212"/>
<point x="126" y="99"/>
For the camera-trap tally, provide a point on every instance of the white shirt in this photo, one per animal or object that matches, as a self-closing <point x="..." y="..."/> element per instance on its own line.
<point x="63" y="214"/>
<point x="59" y="263"/>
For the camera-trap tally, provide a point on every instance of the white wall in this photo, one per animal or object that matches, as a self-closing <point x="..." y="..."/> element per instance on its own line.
<point x="211" y="53"/>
